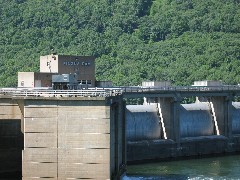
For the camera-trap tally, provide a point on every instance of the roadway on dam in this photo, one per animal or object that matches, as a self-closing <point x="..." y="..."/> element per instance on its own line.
<point x="127" y="91"/>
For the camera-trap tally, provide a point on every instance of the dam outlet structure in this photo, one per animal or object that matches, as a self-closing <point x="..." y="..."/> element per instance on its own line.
<point x="93" y="134"/>
<point x="171" y="129"/>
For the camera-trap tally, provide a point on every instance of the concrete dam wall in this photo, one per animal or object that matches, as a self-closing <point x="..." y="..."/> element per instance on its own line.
<point x="70" y="139"/>
<point x="190" y="129"/>
<point x="61" y="138"/>
<point x="94" y="137"/>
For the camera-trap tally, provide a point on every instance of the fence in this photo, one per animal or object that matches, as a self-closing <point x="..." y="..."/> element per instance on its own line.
<point x="105" y="92"/>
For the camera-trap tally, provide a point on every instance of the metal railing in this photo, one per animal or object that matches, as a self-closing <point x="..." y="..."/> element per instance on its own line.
<point x="180" y="88"/>
<point x="105" y="92"/>
<point x="56" y="93"/>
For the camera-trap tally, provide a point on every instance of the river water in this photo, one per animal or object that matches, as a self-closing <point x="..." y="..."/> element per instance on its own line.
<point x="214" y="168"/>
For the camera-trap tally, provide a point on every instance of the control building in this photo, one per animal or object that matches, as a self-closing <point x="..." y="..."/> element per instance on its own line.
<point x="82" y="68"/>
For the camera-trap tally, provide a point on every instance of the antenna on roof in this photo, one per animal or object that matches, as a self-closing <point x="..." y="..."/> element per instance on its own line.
<point x="53" y="52"/>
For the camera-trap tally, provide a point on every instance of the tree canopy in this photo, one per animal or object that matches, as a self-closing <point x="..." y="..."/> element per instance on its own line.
<point x="133" y="40"/>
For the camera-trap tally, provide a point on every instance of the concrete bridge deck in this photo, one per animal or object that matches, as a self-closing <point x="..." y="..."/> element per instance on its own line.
<point x="132" y="91"/>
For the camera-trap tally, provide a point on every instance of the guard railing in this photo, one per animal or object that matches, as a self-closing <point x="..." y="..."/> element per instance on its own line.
<point x="105" y="92"/>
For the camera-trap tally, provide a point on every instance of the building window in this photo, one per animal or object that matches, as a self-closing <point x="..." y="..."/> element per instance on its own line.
<point x="89" y="82"/>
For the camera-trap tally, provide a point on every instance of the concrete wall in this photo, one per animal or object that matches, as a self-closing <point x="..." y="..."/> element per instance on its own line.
<point x="11" y="139"/>
<point x="222" y="107"/>
<point x="207" y="83"/>
<point x="166" y="116"/>
<point x="71" y="138"/>
<point x="26" y="79"/>
<point x="147" y="151"/>
<point x="49" y="64"/>
<point x="34" y="79"/>
<point x="156" y="83"/>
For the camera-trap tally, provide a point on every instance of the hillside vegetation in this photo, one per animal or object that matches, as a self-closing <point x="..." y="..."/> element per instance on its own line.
<point x="133" y="40"/>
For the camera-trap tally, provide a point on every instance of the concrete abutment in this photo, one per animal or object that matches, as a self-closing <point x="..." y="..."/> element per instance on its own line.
<point x="63" y="138"/>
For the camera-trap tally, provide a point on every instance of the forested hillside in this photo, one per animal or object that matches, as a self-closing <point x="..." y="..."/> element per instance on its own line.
<point x="133" y="40"/>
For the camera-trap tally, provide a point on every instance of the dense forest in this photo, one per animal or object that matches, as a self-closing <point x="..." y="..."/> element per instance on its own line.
<point x="132" y="40"/>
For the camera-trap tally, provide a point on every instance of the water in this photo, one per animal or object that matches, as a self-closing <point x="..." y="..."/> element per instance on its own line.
<point x="226" y="167"/>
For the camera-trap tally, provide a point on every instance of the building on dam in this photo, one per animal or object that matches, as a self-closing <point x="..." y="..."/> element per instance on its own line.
<point x="62" y="72"/>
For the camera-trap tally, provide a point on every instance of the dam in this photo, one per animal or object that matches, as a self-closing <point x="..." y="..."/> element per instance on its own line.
<point x="61" y="137"/>
<point x="209" y="125"/>
<point x="93" y="134"/>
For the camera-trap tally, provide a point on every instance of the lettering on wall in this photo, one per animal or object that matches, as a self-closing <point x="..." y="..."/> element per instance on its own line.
<point x="72" y="63"/>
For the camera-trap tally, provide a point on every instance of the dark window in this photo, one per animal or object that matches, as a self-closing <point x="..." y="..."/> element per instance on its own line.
<point x="89" y="82"/>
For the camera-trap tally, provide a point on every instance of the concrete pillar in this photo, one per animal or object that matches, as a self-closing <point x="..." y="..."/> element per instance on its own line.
<point x="169" y="109"/>
<point x="222" y="106"/>
<point x="228" y="106"/>
<point x="118" y="137"/>
<point x="175" y="111"/>
<point x="165" y="107"/>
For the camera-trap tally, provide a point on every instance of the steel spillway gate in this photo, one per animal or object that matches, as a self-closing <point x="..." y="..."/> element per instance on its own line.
<point x="196" y="120"/>
<point x="142" y="123"/>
